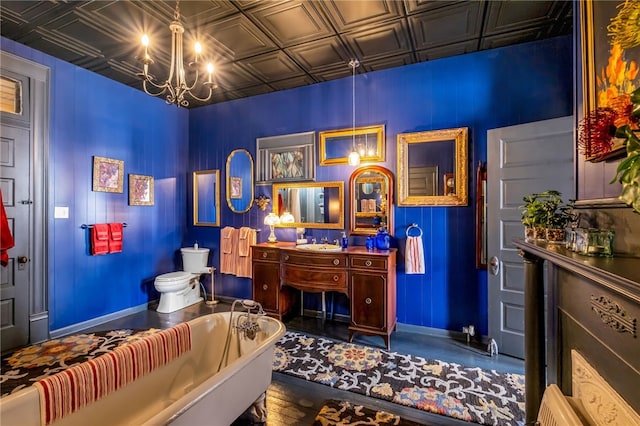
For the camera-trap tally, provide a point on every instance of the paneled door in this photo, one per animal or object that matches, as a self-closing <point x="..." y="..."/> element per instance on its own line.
<point x="521" y="160"/>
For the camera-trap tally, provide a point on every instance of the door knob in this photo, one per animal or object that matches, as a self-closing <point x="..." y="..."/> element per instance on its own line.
<point x="494" y="265"/>
<point x="23" y="259"/>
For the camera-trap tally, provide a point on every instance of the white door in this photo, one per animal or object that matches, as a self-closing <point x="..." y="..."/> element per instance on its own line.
<point x="521" y="160"/>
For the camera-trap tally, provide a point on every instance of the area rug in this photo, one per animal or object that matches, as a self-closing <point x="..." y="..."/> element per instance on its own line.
<point x="25" y="366"/>
<point x="343" y="413"/>
<point x="468" y="393"/>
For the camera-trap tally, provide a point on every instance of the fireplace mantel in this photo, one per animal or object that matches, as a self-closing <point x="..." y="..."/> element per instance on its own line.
<point x="593" y="306"/>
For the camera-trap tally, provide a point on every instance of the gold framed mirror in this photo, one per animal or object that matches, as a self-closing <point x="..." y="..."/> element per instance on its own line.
<point x="206" y="198"/>
<point x="370" y="200"/>
<point x="432" y="168"/>
<point x="239" y="181"/>
<point x="312" y="204"/>
<point x="336" y="145"/>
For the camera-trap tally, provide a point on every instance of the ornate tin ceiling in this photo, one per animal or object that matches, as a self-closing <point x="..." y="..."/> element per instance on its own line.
<point x="263" y="46"/>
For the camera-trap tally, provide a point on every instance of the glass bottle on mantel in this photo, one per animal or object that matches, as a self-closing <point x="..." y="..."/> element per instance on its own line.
<point x="383" y="240"/>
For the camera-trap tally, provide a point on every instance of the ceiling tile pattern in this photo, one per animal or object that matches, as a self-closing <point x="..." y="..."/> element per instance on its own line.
<point x="261" y="46"/>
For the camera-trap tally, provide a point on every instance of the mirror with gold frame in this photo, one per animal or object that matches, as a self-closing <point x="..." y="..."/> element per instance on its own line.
<point x="336" y="145"/>
<point x="432" y="168"/>
<point x="370" y="200"/>
<point x="206" y="198"/>
<point x="239" y="181"/>
<point x="312" y="204"/>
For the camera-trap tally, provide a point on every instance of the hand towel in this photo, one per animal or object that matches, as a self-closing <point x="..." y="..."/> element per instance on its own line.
<point x="244" y="266"/>
<point x="414" y="256"/>
<point x="6" y="239"/>
<point x="115" y="237"/>
<point x="100" y="239"/>
<point x="228" y="250"/>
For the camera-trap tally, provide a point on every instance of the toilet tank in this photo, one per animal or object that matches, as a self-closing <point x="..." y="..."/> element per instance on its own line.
<point x="194" y="259"/>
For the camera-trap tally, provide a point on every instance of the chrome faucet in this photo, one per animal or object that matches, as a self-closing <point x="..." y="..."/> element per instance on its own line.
<point x="324" y="240"/>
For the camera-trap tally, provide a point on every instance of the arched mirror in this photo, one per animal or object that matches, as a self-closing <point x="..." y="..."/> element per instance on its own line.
<point x="239" y="181"/>
<point x="432" y="168"/>
<point x="206" y="198"/>
<point x="313" y="205"/>
<point x="370" y="200"/>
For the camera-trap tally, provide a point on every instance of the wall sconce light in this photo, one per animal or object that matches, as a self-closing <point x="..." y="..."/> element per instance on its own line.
<point x="287" y="218"/>
<point x="262" y="202"/>
<point x="272" y="220"/>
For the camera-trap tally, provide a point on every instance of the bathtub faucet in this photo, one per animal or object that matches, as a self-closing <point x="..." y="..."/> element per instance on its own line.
<point x="247" y="324"/>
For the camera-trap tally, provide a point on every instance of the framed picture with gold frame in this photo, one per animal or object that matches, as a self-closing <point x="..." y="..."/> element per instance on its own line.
<point x="610" y="60"/>
<point x="108" y="174"/>
<point x="140" y="190"/>
<point x="336" y="145"/>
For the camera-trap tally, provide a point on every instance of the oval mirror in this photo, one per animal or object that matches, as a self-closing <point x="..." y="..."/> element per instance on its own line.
<point x="206" y="198"/>
<point x="239" y="181"/>
<point x="371" y="200"/>
<point x="432" y="168"/>
<point x="313" y="205"/>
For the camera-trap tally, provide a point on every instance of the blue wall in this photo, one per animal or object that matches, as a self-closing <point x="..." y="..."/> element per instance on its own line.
<point x="482" y="91"/>
<point x="92" y="115"/>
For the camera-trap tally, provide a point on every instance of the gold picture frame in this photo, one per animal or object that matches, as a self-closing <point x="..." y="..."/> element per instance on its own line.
<point x="140" y="190"/>
<point x="336" y="145"/>
<point x="603" y="53"/>
<point x="108" y="174"/>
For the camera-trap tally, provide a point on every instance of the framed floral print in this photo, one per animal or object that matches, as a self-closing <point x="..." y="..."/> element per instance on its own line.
<point x="140" y="190"/>
<point x="286" y="158"/>
<point x="108" y="174"/>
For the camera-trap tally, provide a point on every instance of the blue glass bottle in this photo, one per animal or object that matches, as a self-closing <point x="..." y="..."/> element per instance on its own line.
<point x="345" y="240"/>
<point x="383" y="240"/>
<point x="370" y="243"/>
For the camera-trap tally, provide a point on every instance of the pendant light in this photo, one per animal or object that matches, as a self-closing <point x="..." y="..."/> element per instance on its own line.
<point x="354" y="157"/>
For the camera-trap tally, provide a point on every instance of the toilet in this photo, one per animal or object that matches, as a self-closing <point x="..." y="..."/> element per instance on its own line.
<point x="181" y="289"/>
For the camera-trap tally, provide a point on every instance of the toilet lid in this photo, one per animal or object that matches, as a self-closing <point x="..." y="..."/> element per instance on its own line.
<point x="173" y="277"/>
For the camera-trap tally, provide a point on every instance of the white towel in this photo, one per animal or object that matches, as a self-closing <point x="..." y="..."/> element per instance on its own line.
<point x="414" y="256"/>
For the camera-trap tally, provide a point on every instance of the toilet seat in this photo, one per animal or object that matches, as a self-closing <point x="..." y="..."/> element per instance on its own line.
<point x="172" y="281"/>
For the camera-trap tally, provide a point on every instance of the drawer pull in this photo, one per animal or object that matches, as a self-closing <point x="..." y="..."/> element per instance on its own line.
<point x="336" y="278"/>
<point x="286" y="257"/>
<point x="265" y="287"/>
<point x="368" y="300"/>
<point x="336" y="262"/>
<point x="265" y="254"/>
<point x="367" y="263"/>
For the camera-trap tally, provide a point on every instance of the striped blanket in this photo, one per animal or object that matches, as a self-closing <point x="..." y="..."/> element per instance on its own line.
<point x="68" y="391"/>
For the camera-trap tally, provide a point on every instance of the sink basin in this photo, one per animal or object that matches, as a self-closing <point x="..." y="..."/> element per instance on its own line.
<point x="320" y="247"/>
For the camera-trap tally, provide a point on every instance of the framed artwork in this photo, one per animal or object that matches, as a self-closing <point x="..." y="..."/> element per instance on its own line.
<point x="286" y="158"/>
<point x="108" y="174"/>
<point x="140" y="190"/>
<point x="235" y="187"/>
<point x="336" y="145"/>
<point x="610" y="59"/>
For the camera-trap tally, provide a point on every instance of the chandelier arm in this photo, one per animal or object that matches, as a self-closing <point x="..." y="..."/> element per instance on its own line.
<point x="148" y="92"/>
<point x="202" y="99"/>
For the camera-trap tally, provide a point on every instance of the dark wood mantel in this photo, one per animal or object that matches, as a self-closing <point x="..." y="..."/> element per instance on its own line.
<point x="593" y="306"/>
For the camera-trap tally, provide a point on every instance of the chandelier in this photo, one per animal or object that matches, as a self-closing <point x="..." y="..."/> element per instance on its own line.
<point x="175" y="86"/>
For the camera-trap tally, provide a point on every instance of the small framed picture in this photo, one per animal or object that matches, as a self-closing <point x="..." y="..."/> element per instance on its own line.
<point x="140" y="190"/>
<point x="235" y="187"/>
<point x="107" y="174"/>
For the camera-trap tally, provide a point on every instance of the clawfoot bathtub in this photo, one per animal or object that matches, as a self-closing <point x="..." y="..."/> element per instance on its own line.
<point x="201" y="387"/>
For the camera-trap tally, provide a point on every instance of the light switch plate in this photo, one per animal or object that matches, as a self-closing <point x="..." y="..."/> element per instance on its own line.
<point x="61" y="213"/>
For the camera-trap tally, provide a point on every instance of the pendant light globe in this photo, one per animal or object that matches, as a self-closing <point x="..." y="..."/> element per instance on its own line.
<point x="354" y="157"/>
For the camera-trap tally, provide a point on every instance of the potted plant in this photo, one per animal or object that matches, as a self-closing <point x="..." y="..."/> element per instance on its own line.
<point x="533" y="217"/>
<point x="628" y="171"/>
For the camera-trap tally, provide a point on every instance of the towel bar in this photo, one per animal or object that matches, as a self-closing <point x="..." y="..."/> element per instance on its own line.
<point x="85" y="226"/>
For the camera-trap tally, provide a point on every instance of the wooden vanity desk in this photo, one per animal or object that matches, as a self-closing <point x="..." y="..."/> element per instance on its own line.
<point x="367" y="278"/>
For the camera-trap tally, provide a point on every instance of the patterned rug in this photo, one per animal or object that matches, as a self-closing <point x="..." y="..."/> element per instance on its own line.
<point x="467" y="393"/>
<point x="343" y="413"/>
<point x="25" y="366"/>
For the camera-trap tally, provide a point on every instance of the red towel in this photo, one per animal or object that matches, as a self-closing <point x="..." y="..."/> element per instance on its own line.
<point x="100" y="239"/>
<point x="6" y="239"/>
<point x="115" y="237"/>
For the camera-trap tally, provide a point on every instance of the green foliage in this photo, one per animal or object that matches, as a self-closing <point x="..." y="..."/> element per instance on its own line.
<point x="545" y="210"/>
<point x="628" y="171"/>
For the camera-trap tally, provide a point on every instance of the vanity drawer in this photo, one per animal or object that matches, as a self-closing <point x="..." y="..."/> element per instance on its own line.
<point x="266" y="254"/>
<point x="327" y="280"/>
<point x="332" y="260"/>
<point x="369" y="262"/>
